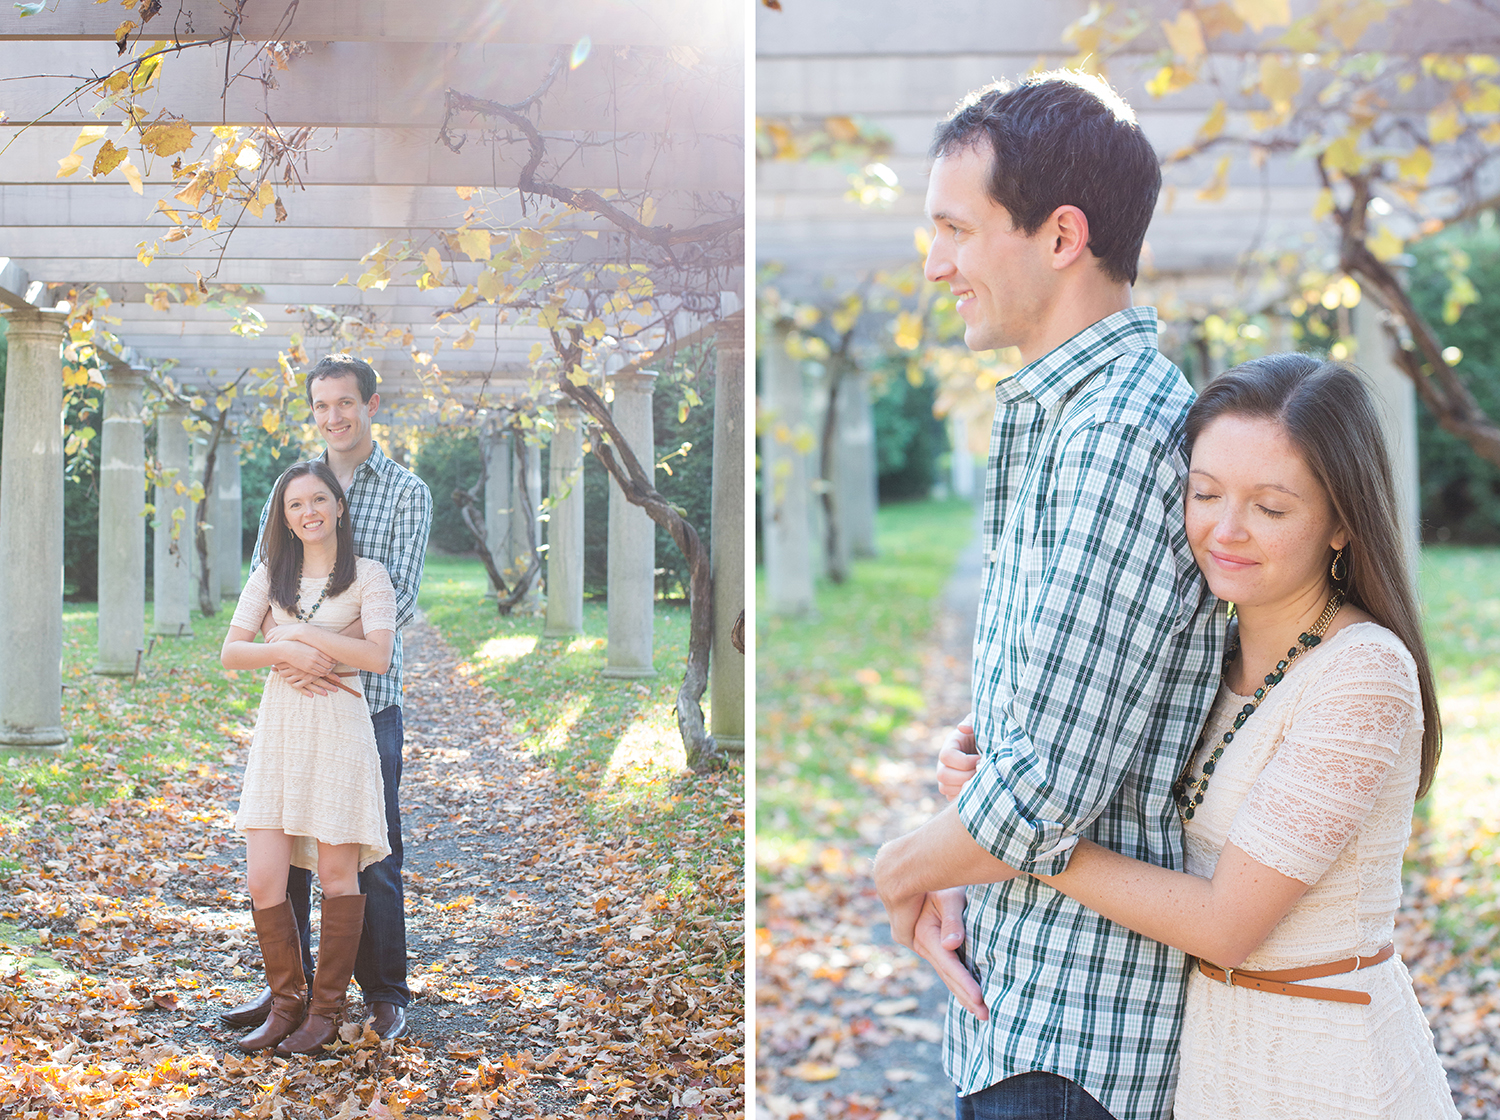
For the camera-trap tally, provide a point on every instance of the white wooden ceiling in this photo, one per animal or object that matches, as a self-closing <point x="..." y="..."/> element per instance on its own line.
<point x="656" y="97"/>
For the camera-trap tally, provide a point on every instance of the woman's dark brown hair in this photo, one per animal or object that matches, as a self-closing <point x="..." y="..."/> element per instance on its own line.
<point x="281" y="549"/>
<point x="1326" y="411"/>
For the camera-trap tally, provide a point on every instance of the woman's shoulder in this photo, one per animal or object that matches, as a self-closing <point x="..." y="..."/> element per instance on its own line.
<point x="364" y="568"/>
<point x="1369" y="653"/>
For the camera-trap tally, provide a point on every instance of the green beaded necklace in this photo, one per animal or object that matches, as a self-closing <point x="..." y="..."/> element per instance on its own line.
<point x="1189" y="794"/>
<point x="298" y="597"/>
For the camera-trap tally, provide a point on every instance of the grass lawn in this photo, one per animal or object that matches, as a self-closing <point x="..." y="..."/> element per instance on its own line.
<point x="831" y="688"/>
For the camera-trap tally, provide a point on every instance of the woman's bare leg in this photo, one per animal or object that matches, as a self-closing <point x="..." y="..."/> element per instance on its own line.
<point x="338" y="869"/>
<point x="268" y="854"/>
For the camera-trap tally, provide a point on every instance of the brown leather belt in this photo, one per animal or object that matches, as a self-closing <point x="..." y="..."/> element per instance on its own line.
<point x="1282" y="983"/>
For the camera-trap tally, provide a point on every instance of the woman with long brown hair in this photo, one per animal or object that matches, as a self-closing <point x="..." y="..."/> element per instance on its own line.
<point x="1296" y="805"/>
<point x="312" y="792"/>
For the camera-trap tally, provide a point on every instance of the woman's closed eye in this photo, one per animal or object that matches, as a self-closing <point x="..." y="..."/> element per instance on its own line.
<point x="1271" y="512"/>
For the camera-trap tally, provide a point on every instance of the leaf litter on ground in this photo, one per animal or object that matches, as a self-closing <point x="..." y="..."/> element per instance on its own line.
<point x="552" y="972"/>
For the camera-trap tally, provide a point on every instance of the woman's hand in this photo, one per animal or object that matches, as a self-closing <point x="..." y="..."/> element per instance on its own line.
<point x="290" y="632"/>
<point x="304" y="657"/>
<point x="957" y="758"/>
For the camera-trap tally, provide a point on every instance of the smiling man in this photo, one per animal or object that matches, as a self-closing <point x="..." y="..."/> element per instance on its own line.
<point x="392" y="512"/>
<point x="1096" y="654"/>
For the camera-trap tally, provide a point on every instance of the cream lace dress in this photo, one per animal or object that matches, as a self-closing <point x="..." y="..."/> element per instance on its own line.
<point x="1318" y="785"/>
<point x="313" y="770"/>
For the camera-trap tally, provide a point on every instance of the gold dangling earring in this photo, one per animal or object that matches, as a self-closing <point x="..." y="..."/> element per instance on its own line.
<point x="1333" y="569"/>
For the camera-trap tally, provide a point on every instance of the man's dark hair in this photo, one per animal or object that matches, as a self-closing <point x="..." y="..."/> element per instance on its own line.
<point x="1063" y="139"/>
<point x="345" y="365"/>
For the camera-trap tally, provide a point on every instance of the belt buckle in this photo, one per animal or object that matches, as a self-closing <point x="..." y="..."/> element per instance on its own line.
<point x="1229" y="977"/>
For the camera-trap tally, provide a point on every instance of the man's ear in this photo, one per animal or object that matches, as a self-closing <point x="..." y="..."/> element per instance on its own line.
<point x="1068" y="230"/>
<point x="372" y="404"/>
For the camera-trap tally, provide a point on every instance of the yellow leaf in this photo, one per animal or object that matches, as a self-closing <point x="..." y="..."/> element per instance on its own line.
<point x="648" y="210"/>
<point x="531" y="238"/>
<point x="1218" y="186"/>
<point x="466" y="298"/>
<point x="1416" y="166"/>
<point x="475" y="243"/>
<point x="122" y="32"/>
<point x="1261" y="14"/>
<point x="594" y="329"/>
<point x="176" y="233"/>
<point x="145" y="73"/>
<point x="270" y="421"/>
<point x="267" y="193"/>
<point x="160" y="300"/>
<point x="1185" y="37"/>
<point x="1443" y="124"/>
<point x="1385" y="244"/>
<point x="1324" y="206"/>
<point x="578" y="375"/>
<point x="69" y="164"/>
<point x="168" y="137"/>
<point x="536" y="354"/>
<point x="89" y="134"/>
<point x="1482" y="64"/>
<point x="922" y="238"/>
<point x="145" y="255"/>
<point x="75" y="376"/>
<point x="1343" y="154"/>
<point x="1170" y="79"/>
<point x="193" y="192"/>
<point x="908" y="330"/>
<point x="1484" y="99"/>
<point x="1279" y="78"/>
<point x="132" y="174"/>
<point x="1214" y="124"/>
<point x="1219" y="19"/>
<point x="465" y="193"/>
<point x="1348" y="27"/>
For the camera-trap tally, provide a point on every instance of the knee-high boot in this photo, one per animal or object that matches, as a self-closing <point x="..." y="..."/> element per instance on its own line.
<point x="338" y="945"/>
<point x="276" y="929"/>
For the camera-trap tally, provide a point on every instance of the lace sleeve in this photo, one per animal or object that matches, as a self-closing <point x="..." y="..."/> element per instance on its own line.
<point x="1344" y="738"/>
<point x="254" y="599"/>
<point x="377" y="609"/>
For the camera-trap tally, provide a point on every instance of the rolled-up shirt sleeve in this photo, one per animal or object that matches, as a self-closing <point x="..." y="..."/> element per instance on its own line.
<point x="1059" y="737"/>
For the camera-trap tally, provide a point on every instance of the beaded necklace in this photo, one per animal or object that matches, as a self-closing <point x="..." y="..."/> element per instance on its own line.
<point x="1189" y="794"/>
<point x="297" y="598"/>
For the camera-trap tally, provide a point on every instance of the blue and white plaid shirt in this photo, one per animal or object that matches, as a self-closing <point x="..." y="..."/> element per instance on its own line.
<point x="392" y="511"/>
<point x="1096" y="660"/>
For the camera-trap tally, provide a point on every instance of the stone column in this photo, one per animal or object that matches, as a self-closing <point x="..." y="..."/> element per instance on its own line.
<point x="172" y="581"/>
<point x="727" y="539"/>
<point x="494" y="445"/>
<point x="632" y="538"/>
<point x="31" y="534"/>
<point x="786" y="521"/>
<point x="528" y="463"/>
<point x="1396" y="404"/>
<point x="122" y="546"/>
<point x="565" y="526"/>
<point x="228" y="530"/>
<point x="856" y="472"/>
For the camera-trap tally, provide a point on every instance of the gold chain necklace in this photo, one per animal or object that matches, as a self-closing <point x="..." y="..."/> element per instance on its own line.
<point x="1189" y="794"/>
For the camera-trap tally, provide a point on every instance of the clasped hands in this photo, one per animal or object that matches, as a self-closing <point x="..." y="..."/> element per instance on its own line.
<point x="302" y="666"/>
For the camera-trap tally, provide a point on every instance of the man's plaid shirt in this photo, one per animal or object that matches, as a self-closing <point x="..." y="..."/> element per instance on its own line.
<point x="1096" y="660"/>
<point x="392" y="511"/>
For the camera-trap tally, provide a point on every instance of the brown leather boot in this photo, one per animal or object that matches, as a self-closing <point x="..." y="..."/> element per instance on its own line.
<point x="338" y="945"/>
<point x="276" y="929"/>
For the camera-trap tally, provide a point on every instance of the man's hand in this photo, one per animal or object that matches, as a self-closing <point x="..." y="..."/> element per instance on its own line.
<point x="957" y="758"/>
<point x="938" y="935"/>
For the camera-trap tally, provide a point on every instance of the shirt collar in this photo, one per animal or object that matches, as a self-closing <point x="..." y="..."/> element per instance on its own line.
<point x="1051" y="378"/>
<point x="375" y="463"/>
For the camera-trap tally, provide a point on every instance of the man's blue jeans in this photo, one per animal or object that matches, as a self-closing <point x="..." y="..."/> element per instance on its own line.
<point x="380" y="967"/>
<point x="1031" y="1096"/>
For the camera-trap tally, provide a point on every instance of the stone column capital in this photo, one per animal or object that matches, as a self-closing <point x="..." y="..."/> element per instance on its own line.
<point x="37" y="322"/>
<point x="634" y="381"/>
